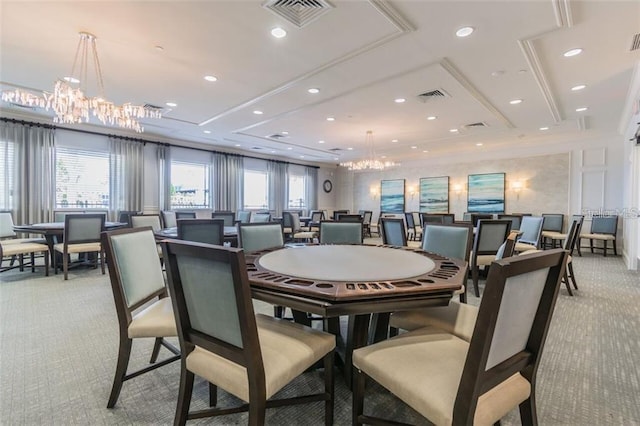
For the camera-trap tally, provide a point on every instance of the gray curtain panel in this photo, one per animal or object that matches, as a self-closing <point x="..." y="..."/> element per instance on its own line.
<point x="311" y="188"/>
<point x="278" y="186"/>
<point x="30" y="186"/>
<point x="229" y="182"/>
<point x="163" y="156"/>
<point x="126" y="163"/>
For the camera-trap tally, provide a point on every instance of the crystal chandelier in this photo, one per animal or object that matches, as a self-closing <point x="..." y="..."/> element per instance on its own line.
<point x="69" y="102"/>
<point x="371" y="163"/>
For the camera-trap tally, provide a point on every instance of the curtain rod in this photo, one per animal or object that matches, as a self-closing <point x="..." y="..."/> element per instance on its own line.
<point x="142" y="141"/>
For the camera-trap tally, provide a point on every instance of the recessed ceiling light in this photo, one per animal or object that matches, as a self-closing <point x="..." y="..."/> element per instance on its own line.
<point x="544" y="128"/>
<point x="394" y="140"/>
<point x="425" y="151"/>
<point x="581" y="109"/>
<point x="237" y="144"/>
<point x="211" y="78"/>
<point x="273" y="152"/>
<point x="572" y="52"/>
<point x="335" y="158"/>
<point x="289" y="148"/>
<point x="313" y="90"/>
<point x="478" y="144"/>
<point x="383" y="156"/>
<point x="258" y="112"/>
<point x="284" y="132"/>
<point x="578" y="87"/>
<point x="350" y="149"/>
<point x="331" y="119"/>
<point x="515" y="101"/>
<point x="207" y="131"/>
<point x="498" y="73"/>
<point x="320" y="141"/>
<point x="414" y="147"/>
<point x="400" y="100"/>
<point x="278" y="32"/>
<point x="302" y="156"/>
<point x="159" y="48"/>
<point x="464" y="31"/>
<point x="72" y="80"/>
<point x="172" y="104"/>
<point x="453" y="130"/>
<point x="432" y="117"/>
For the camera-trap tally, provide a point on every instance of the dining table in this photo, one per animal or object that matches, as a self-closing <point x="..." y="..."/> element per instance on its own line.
<point x="363" y="282"/>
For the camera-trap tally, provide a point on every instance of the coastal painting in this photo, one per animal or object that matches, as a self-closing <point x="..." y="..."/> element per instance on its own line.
<point x="486" y="193"/>
<point x="434" y="194"/>
<point x="392" y="196"/>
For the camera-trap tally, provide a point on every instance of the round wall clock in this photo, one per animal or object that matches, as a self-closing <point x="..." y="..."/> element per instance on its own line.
<point x="327" y="185"/>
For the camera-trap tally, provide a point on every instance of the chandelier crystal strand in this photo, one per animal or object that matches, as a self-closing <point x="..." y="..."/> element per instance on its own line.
<point x="72" y="106"/>
<point x="371" y="163"/>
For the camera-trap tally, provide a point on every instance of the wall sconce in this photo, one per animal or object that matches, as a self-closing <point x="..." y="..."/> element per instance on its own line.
<point x="374" y="192"/>
<point x="457" y="188"/>
<point x="413" y="191"/>
<point x="517" y="187"/>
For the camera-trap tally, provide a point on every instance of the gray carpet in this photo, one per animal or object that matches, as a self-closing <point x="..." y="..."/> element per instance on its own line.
<point x="58" y="345"/>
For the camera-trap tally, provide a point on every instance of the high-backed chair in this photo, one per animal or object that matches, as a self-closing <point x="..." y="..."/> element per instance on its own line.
<point x="340" y="232"/>
<point x="393" y="232"/>
<point x="347" y="217"/>
<point x="558" y="238"/>
<point x="515" y="219"/>
<point x="603" y="228"/>
<point x="260" y="236"/>
<point x="366" y="222"/>
<point x="490" y="235"/>
<point x="152" y="220"/>
<point x="13" y="247"/>
<point x="223" y="341"/>
<point x="59" y="215"/>
<point x="293" y="229"/>
<point x="414" y="231"/>
<point x="209" y="231"/>
<point x="531" y="228"/>
<point x="136" y="281"/>
<point x="81" y="235"/>
<point x="169" y="219"/>
<point x="476" y="380"/>
<point x="228" y="217"/>
<point x="260" y="217"/>
<point x="124" y="216"/>
<point x="314" y="221"/>
<point x="475" y="217"/>
<point x="552" y="224"/>
<point x="428" y="218"/>
<point x="337" y="213"/>
<point x="243" y="216"/>
<point x="185" y="215"/>
<point x="569" y="246"/>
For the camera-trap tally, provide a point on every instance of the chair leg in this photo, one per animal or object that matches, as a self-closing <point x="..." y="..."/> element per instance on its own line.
<point x="46" y="263"/>
<point x="156" y="350"/>
<point x="257" y="412"/>
<point x="566" y="282"/>
<point x="578" y="245"/>
<point x="33" y="261"/>
<point x="21" y="262"/>
<point x="615" y="250"/>
<point x="102" y="261"/>
<point x="475" y="271"/>
<point x="184" y="395"/>
<point x="121" y="370"/>
<point x="213" y="395"/>
<point x="572" y="275"/>
<point x="605" y="248"/>
<point x="358" y="396"/>
<point x="591" y="244"/>
<point x="329" y="388"/>
<point x="528" y="415"/>
<point x="65" y="265"/>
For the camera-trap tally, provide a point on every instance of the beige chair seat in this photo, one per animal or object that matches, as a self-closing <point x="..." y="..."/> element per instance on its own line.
<point x="524" y="247"/>
<point x="287" y="350"/>
<point x="433" y="361"/>
<point x="607" y="237"/>
<point x="23" y="248"/>
<point x="156" y="320"/>
<point x="554" y="235"/>
<point x="456" y="318"/>
<point x="22" y="240"/>
<point x="78" y="248"/>
<point x="483" y="259"/>
<point x="305" y="235"/>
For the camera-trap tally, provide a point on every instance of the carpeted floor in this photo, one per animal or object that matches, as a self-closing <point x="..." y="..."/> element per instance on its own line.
<point x="58" y="345"/>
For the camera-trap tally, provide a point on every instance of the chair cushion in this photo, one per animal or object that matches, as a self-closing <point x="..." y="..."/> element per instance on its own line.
<point x="554" y="235"/>
<point x="428" y="368"/>
<point x="23" y="248"/>
<point x="305" y="235"/>
<point x="484" y="259"/>
<point x="525" y="247"/>
<point x="456" y="318"/>
<point x="22" y="240"/>
<point x="287" y="348"/>
<point x="156" y="320"/>
<point x="78" y="248"/>
<point x="607" y="237"/>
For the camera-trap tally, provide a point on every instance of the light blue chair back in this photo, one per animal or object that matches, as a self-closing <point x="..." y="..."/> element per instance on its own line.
<point x="448" y="240"/>
<point x="553" y="222"/>
<point x="393" y="232"/>
<point x="340" y="232"/>
<point x="260" y="217"/>
<point x="244" y="216"/>
<point x="531" y="227"/>
<point x="152" y="220"/>
<point x="604" y="225"/>
<point x="209" y="231"/>
<point x="83" y="228"/>
<point x="168" y="219"/>
<point x="260" y="236"/>
<point x="228" y="217"/>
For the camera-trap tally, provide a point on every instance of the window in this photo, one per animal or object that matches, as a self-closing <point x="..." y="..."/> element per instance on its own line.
<point x="6" y="175"/>
<point x="82" y="179"/>
<point x="256" y="190"/>
<point x="189" y="185"/>
<point x="297" y="199"/>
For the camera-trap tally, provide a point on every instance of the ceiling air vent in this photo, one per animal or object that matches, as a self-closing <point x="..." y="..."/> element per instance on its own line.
<point x="257" y="148"/>
<point x="335" y="149"/>
<point x="298" y="12"/>
<point x="277" y="136"/>
<point x="433" y="94"/>
<point x="635" y="43"/>
<point x="476" y="125"/>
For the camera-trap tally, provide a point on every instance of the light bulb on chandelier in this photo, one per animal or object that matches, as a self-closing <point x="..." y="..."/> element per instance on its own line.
<point x="72" y="106"/>
<point x="371" y="163"/>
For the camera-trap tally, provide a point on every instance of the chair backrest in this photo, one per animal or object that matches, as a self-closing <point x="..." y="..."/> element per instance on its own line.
<point x="317" y="216"/>
<point x="393" y="232"/>
<point x="572" y="236"/>
<point x="169" y="219"/>
<point x="243" y="216"/>
<point x="508" y="248"/>
<point x="448" y="218"/>
<point x="466" y="217"/>
<point x="291" y="221"/>
<point x="229" y="218"/>
<point x="604" y="225"/>
<point x="337" y="213"/>
<point x="134" y="269"/>
<point x="512" y="324"/>
<point x="448" y="240"/>
<point x="6" y="225"/>
<point x="346" y="217"/>
<point x="124" y="216"/>
<point x="475" y="217"/>
<point x="411" y="223"/>
<point x="366" y="217"/>
<point x="211" y="299"/>
<point x="260" y="236"/>
<point x="552" y="222"/>
<point x="59" y="215"/>
<point x="340" y="232"/>
<point x="152" y="220"/>
<point x="427" y="218"/>
<point x="531" y="227"/>
<point x="260" y="217"/>
<point x="185" y="215"/>
<point x="209" y="231"/>
<point x="515" y="219"/>
<point x="83" y="228"/>
<point x="490" y="235"/>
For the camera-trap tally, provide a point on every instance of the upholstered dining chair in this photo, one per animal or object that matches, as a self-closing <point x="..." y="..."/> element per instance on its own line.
<point x="603" y="228"/>
<point x="152" y="220"/>
<point x="243" y="216"/>
<point x="185" y="215"/>
<point x="293" y="229"/>
<point x="490" y="235"/>
<point x="228" y="217"/>
<point x="393" y="232"/>
<point x="81" y="235"/>
<point x="140" y="296"/>
<point x="366" y="222"/>
<point x="209" y="231"/>
<point x="168" y="219"/>
<point x="223" y="341"/>
<point x="13" y="247"/>
<point x="552" y="224"/>
<point x="488" y="366"/>
<point x="514" y="218"/>
<point x="260" y="217"/>
<point x="428" y="218"/>
<point x="260" y="236"/>
<point x="340" y="232"/>
<point x="414" y="231"/>
<point x="124" y="216"/>
<point x="569" y="245"/>
<point x="531" y="233"/>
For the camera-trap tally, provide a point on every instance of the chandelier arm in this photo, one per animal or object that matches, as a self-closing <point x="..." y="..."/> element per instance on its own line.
<point x="96" y="64"/>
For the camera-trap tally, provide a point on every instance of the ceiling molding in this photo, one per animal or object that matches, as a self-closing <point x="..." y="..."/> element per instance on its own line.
<point x="462" y="80"/>
<point x="562" y="11"/>
<point x="529" y="52"/>
<point x="401" y="25"/>
<point x="288" y="144"/>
